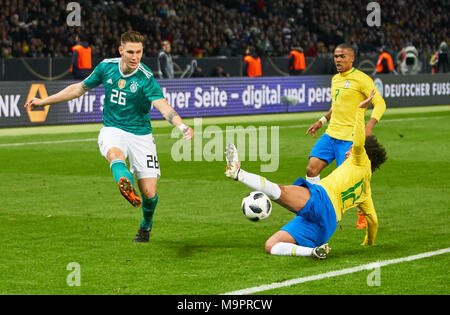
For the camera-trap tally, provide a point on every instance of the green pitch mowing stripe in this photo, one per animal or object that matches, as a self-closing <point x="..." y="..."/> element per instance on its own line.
<point x="60" y="204"/>
<point x="210" y="121"/>
<point x="337" y="273"/>
<point x="197" y="133"/>
<point x="309" y="115"/>
<point x="205" y="122"/>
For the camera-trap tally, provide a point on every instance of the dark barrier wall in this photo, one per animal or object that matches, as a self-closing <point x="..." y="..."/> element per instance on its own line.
<point x="50" y="69"/>
<point x="216" y="97"/>
<point x="20" y="69"/>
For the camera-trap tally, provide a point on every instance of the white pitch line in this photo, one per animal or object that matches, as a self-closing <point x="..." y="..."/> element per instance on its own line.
<point x="155" y="135"/>
<point x="168" y="134"/>
<point x="46" y="142"/>
<point x="336" y="273"/>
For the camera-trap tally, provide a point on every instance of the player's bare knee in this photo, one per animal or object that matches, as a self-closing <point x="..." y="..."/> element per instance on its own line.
<point x="115" y="154"/>
<point x="271" y="243"/>
<point x="315" y="166"/>
<point x="268" y="246"/>
<point x="148" y="193"/>
<point x="147" y="186"/>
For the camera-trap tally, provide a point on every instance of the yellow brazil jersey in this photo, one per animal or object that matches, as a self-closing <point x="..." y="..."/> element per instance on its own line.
<point x="348" y="90"/>
<point x="348" y="186"/>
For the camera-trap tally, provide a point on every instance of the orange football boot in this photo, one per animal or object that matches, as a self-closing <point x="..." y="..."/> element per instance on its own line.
<point x="127" y="190"/>
<point x="362" y="222"/>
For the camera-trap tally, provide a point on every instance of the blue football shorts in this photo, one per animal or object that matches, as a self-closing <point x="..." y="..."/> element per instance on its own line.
<point x="329" y="149"/>
<point x="316" y="222"/>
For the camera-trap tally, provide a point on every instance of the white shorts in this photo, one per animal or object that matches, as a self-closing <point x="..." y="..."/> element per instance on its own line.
<point x="139" y="149"/>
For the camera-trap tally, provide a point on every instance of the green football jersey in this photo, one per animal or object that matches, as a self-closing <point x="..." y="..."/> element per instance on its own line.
<point x="128" y="98"/>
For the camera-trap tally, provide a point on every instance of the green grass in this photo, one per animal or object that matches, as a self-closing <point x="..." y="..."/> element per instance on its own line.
<point x="59" y="204"/>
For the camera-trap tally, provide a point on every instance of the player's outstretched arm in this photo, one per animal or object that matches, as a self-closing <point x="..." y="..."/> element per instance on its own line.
<point x="369" y="212"/>
<point x="173" y="118"/>
<point x="72" y="91"/>
<point x="369" y="126"/>
<point x="359" y="135"/>
<point x="372" y="229"/>
<point x="379" y="107"/>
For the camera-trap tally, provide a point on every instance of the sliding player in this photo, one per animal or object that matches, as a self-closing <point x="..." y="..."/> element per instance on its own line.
<point x="319" y="207"/>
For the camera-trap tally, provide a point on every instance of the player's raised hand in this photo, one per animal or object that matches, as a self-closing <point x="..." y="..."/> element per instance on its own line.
<point x="313" y="128"/>
<point x="367" y="101"/>
<point x="33" y="103"/>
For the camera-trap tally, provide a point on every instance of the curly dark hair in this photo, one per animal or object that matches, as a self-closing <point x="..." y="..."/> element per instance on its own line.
<point x="375" y="151"/>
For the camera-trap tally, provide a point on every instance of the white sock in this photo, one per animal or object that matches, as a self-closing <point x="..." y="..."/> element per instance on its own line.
<point x="313" y="180"/>
<point x="260" y="183"/>
<point x="289" y="249"/>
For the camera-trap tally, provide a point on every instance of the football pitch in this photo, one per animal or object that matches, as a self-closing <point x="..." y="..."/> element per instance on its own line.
<point x="66" y="229"/>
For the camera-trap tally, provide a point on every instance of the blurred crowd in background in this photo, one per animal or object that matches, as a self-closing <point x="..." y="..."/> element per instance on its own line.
<point x="200" y="28"/>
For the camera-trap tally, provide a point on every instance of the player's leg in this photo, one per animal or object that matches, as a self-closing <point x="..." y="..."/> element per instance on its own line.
<point x="253" y="181"/>
<point x="290" y="197"/>
<point x="293" y="197"/>
<point x="321" y="155"/>
<point x="308" y="232"/>
<point x="113" y="147"/>
<point x="144" y="165"/>
<point x="313" y="169"/>
<point x="283" y="244"/>
<point x="147" y="186"/>
<point x="123" y="176"/>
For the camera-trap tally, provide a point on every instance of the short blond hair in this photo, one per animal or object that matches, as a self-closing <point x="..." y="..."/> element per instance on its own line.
<point x="132" y="37"/>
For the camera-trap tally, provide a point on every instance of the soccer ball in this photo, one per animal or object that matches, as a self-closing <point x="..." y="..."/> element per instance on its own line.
<point x="256" y="206"/>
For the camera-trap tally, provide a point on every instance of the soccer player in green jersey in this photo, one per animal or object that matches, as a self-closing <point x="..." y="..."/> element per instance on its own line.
<point x="130" y="90"/>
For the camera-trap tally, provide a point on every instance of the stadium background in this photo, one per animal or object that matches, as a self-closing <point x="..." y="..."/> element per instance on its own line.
<point x="216" y="33"/>
<point x="38" y="51"/>
<point x="48" y="218"/>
